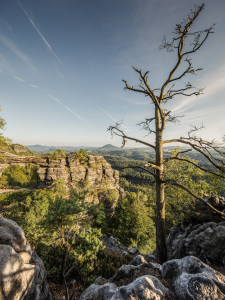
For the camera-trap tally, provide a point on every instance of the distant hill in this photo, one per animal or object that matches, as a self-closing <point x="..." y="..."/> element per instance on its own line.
<point x="70" y="148"/>
<point x="18" y="150"/>
<point x="109" y="147"/>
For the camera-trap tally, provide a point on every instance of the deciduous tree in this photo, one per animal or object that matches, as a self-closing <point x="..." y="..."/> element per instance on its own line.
<point x="159" y="97"/>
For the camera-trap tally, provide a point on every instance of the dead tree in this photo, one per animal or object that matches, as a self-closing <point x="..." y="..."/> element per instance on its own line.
<point x="161" y="96"/>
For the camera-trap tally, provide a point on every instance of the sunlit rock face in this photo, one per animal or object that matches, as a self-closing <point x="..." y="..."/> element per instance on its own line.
<point x="96" y="173"/>
<point x="22" y="272"/>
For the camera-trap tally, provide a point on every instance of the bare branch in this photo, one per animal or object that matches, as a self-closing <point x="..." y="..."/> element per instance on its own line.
<point x="172" y="182"/>
<point x="177" y="155"/>
<point x="181" y="33"/>
<point x="202" y="147"/>
<point x="153" y="96"/>
<point x="124" y="136"/>
<point x="135" y="90"/>
<point x="194" y="164"/>
<point x="169" y="118"/>
<point x="149" y="182"/>
<point x="146" y="125"/>
<point x="197" y="37"/>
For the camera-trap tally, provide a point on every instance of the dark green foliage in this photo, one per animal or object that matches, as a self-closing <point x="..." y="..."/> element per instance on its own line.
<point x="28" y="209"/>
<point x="107" y="263"/>
<point x="59" y="153"/>
<point x="20" y="176"/>
<point x="98" y="217"/>
<point x="58" y="188"/>
<point x="81" y="156"/>
<point x="132" y="223"/>
<point x="50" y="225"/>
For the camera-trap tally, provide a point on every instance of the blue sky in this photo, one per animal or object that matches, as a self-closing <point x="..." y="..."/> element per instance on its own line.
<point x="62" y="63"/>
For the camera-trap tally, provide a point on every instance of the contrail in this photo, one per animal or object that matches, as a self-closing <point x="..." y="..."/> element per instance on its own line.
<point x="39" y="32"/>
<point x="112" y="117"/>
<point x="69" y="109"/>
<point x="18" y="78"/>
<point x="57" y="100"/>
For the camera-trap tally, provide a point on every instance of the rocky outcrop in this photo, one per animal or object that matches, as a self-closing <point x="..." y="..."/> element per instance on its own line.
<point x="142" y="288"/>
<point x="22" y="272"/>
<point x="18" y="149"/>
<point x="187" y="278"/>
<point x="206" y="214"/>
<point x="191" y="279"/>
<point x="206" y="242"/>
<point x="189" y="272"/>
<point x="96" y="172"/>
<point x="112" y="245"/>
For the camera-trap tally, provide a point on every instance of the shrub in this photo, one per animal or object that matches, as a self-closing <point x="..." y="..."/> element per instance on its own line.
<point x="20" y="176"/>
<point x="81" y="156"/>
<point x="131" y="223"/>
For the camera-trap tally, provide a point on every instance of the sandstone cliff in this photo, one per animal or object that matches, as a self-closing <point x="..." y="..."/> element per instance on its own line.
<point x="18" y="150"/>
<point x="96" y="173"/>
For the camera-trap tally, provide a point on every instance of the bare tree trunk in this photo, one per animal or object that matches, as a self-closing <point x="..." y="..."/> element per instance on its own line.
<point x="161" y="250"/>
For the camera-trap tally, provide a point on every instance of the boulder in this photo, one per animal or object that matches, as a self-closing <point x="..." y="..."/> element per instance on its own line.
<point x="22" y="272"/>
<point x="113" y="245"/>
<point x="142" y="288"/>
<point x="133" y="250"/>
<point x="137" y="260"/>
<point x="207" y="242"/>
<point x="126" y="271"/>
<point x="191" y="279"/>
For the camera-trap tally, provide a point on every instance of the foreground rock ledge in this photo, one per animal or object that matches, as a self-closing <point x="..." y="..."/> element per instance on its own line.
<point x="190" y="279"/>
<point x="22" y="272"/>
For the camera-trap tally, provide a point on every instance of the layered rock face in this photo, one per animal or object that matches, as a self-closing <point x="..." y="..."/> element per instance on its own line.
<point x="97" y="172"/>
<point x="22" y="272"/>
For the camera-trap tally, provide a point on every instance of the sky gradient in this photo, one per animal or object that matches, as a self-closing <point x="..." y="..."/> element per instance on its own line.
<point x="62" y="63"/>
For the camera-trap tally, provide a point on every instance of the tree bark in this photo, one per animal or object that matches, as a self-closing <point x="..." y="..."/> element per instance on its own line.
<point x="161" y="250"/>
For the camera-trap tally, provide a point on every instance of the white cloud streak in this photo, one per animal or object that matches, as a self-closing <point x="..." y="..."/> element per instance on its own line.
<point x="47" y="44"/>
<point x="214" y="83"/>
<point x="113" y="118"/>
<point x="34" y="86"/>
<point x="10" y="44"/>
<point x="57" y="100"/>
<point x="18" y="78"/>
<point x="5" y="65"/>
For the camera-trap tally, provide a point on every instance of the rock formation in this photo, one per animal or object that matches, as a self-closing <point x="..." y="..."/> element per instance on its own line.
<point x="206" y="242"/>
<point x="22" y="272"/>
<point x="144" y="287"/>
<point x="18" y="149"/>
<point x="97" y="172"/>
<point x="187" y="275"/>
<point x="187" y="278"/>
<point x="192" y="279"/>
<point x="206" y="214"/>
